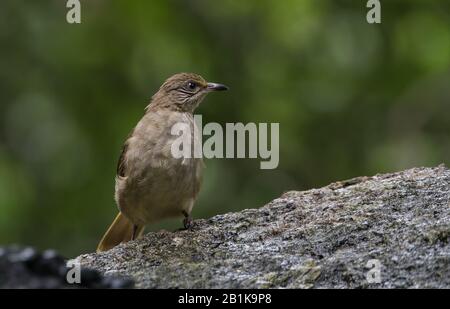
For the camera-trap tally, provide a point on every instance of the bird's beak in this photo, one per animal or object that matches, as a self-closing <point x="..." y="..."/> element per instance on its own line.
<point x="216" y="87"/>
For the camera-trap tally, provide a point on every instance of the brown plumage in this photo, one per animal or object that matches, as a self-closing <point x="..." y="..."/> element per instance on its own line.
<point x="151" y="184"/>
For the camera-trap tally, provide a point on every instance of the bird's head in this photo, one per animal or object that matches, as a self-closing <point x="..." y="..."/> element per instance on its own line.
<point x="184" y="92"/>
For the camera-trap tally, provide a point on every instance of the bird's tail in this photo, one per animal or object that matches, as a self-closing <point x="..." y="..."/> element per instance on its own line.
<point x="121" y="230"/>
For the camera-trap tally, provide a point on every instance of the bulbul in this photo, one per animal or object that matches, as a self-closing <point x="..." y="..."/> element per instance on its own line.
<point x="152" y="183"/>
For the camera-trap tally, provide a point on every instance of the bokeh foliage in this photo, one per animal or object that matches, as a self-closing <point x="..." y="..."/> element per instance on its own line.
<point x="351" y="98"/>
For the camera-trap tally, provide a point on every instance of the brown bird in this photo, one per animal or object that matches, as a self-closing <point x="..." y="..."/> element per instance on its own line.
<point x="151" y="183"/>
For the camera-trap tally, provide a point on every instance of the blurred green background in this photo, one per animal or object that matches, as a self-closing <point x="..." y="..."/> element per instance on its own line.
<point x="351" y="98"/>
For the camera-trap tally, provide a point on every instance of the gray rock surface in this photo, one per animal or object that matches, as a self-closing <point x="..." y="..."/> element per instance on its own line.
<point x="321" y="238"/>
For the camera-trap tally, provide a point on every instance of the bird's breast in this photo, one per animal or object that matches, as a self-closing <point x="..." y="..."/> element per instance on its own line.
<point x="158" y="184"/>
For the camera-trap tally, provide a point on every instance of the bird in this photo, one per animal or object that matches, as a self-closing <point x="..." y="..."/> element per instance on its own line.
<point x="151" y="183"/>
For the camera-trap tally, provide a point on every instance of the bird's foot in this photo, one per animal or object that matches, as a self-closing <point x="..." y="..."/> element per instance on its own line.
<point x="188" y="222"/>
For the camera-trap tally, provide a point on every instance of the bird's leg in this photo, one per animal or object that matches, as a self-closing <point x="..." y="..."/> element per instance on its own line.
<point x="188" y="223"/>
<point x="135" y="228"/>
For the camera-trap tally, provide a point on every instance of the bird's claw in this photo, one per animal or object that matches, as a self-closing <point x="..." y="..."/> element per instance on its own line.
<point x="188" y="222"/>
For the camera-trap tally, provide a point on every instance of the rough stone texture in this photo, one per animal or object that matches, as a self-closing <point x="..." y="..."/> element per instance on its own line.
<point x="321" y="238"/>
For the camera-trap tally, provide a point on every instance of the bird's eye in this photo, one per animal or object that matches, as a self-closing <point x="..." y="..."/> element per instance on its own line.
<point x="191" y="85"/>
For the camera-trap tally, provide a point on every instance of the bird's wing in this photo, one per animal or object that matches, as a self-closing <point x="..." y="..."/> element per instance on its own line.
<point x="121" y="163"/>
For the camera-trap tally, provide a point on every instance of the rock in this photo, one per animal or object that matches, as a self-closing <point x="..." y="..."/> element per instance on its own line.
<point x="386" y="231"/>
<point x="25" y="267"/>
